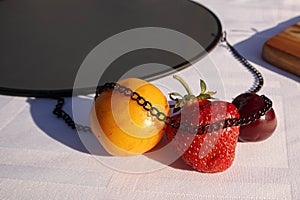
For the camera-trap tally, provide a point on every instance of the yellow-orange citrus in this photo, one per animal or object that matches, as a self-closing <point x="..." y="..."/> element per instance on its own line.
<point x="121" y="125"/>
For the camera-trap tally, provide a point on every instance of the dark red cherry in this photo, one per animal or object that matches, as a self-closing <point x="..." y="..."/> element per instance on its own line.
<point x="261" y="129"/>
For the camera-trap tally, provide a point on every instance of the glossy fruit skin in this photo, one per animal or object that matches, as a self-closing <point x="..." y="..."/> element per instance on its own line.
<point x="210" y="152"/>
<point x="121" y="125"/>
<point x="261" y="129"/>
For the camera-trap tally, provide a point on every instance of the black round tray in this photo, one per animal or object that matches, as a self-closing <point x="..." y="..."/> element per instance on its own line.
<point x="43" y="43"/>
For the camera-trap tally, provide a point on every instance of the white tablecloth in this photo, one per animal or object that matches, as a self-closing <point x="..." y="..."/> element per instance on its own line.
<point x="42" y="158"/>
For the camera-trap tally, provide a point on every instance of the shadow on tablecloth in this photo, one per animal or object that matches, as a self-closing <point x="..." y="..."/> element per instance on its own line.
<point x="41" y="112"/>
<point x="251" y="48"/>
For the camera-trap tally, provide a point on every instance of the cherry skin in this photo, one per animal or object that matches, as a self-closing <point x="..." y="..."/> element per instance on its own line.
<point x="261" y="129"/>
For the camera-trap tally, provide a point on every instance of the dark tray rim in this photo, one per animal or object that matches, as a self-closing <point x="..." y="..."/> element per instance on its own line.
<point x="91" y="90"/>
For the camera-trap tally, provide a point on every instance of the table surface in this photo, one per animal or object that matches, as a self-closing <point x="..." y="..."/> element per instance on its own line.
<point x="42" y="158"/>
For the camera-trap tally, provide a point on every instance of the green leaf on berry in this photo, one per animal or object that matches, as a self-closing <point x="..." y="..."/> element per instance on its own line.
<point x="189" y="97"/>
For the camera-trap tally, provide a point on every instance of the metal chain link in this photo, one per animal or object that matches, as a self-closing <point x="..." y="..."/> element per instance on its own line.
<point x="60" y="113"/>
<point x="259" y="80"/>
<point x="169" y="121"/>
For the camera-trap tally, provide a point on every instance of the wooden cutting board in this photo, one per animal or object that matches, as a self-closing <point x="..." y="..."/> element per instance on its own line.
<point x="283" y="50"/>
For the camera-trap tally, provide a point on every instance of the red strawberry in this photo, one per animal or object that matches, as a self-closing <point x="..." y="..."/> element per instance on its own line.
<point x="212" y="151"/>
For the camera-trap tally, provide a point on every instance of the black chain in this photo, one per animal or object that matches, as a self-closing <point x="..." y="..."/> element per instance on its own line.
<point x="169" y="121"/>
<point x="259" y="80"/>
<point x="60" y="113"/>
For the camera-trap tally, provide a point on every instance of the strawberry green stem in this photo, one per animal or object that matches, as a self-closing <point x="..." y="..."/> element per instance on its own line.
<point x="185" y="85"/>
<point x="180" y="102"/>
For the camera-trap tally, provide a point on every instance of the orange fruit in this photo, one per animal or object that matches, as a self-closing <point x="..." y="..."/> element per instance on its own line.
<point x="121" y="125"/>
